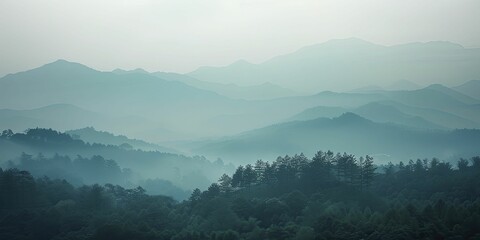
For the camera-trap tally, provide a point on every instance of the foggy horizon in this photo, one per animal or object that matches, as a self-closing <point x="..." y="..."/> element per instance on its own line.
<point x="236" y="60"/>
<point x="150" y="35"/>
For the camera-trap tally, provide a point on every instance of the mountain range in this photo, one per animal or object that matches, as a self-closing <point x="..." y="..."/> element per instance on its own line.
<point x="345" y="64"/>
<point x="348" y="132"/>
<point x="186" y="111"/>
<point x="255" y="92"/>
<point x="91" y="135"/>
<point x="470" y="88"/>
<point x="145" y="106"/>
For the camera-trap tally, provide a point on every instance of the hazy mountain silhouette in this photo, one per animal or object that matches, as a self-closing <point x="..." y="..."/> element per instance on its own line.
<point x="437" y="104"/>
<point x="319" y="112"/>
<point x="91" y="135"/>
<point x="60" y="116"/>
<point x="255" y="92"/>
<point x="435" y="116"/>
<point x="73" y="83"/>
<point x="403" y="85"/>
<point x="367" y="89"/>
<point x="66" y="117"/>
<point x="157" y="110"/>
<point x="441" y="98"/>
<point x="138" y="70"/>
<point x="353" y="63"/>
<point x="470" y="88"/>
<point x="349" y="132"/>
<point x="379" y="112"/>
<point x="375" y="111"/>
<point x="185" y="172"/>
<point x="135" y="94"/>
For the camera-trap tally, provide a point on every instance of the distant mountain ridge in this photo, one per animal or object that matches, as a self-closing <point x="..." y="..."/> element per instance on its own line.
<point x="346" y="64"/>
<point x="61" y="116"/>
<point x="375" y="111"/>
<point x="136" y="94"/>
<point x="348" y="131"/>
<point x="165" y="109"/>
<point x="254" y="92"/>
<point x="470" y="88"/>
<point x="91" y="135"/>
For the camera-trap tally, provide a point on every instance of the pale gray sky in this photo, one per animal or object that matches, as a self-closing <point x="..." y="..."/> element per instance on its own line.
<point x="181" y="35"/>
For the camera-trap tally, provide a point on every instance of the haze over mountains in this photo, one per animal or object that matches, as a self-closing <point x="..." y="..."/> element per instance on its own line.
<point x="345" y="64"/>
<point x="348" y="132"/>
<point x="470" y="88"/>
<point x="91" y="135"/>
<point x="256" y="92"/>
<point x="244" y="112"/>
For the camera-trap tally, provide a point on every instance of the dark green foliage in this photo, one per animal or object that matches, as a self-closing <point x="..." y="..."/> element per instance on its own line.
<point x="327" y="197"/>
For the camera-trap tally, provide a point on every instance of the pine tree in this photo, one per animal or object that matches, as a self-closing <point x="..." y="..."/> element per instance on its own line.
<point x="249" y="175"/>
<point x="367" y="172"/>
<point x="269" y="173"/>
<point x="237" y="177"/>
<point x="225" y="183"/>
<point x="260" y="170"/>
<point x="462" y="164"/>
<point x="351" y="169"/>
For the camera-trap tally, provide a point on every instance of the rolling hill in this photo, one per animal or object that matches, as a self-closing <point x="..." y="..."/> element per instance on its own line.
<point x="73" y="83"/>
<point x="262" y="91"/>
<point x="59" y="116"/>
<point x="137" y="95"/>
<point x="350" y="133"/>
<point x="91" y="135"/>
<point x="375" y="111"/>
<point x="470" y="88"/>
<point x="254" y="92"/>
<point x="185" y="172"/>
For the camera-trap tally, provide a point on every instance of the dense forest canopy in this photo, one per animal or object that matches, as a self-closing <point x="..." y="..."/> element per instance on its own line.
<point x="331" y="196"/>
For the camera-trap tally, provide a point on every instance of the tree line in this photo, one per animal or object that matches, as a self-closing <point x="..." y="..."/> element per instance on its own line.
<point x="330" y="196"/>
<point x="323" y="168"/>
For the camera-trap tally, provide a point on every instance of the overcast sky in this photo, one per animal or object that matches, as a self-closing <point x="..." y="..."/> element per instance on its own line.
<point x="181" y="35"/>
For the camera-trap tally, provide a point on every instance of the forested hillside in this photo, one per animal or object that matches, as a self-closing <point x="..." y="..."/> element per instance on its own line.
<point x="55" y="154"/>
<point x="331" y="196"/>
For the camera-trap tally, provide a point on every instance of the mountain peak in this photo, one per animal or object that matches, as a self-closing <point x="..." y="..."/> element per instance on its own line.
<point x="437" y="86"/>
<point x="64" y="65"/>
<point x="60" y="69"/>
<point x="136" y="70"/>
<point x="241" y="62"/>
<point x="63" y="62"/>
<point x="345" y="45"/>
<point x="349" y="117"/>
<point x="348" y="42"/>
<point x="60" y="61"/>
<point x="140" y="70"/>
